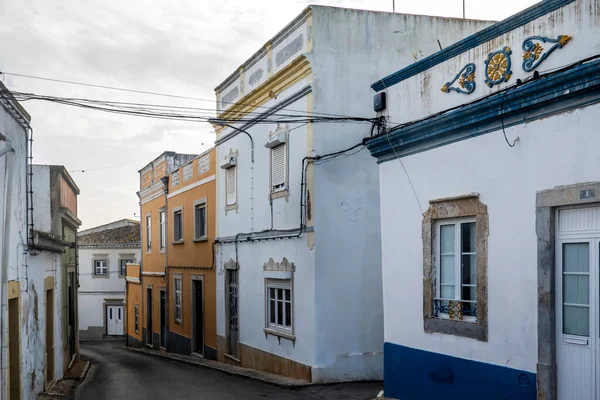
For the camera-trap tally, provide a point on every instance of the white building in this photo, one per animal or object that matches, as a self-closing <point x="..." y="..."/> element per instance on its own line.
<point x="104" y="253"/>
<point x="299" y="292"/>
<point x="490" y="212"/>
<point x="38" y="262"/>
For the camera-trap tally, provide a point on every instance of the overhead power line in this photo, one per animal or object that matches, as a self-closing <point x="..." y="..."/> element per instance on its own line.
<point x="149" y="93"/>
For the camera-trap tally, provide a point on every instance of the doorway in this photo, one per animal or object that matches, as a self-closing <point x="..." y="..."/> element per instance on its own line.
<point x="163" y="319"/>
<point x="198" y="317"/>
<point x="13" y="349"/>
<point x="49" y="335"/>
<point x="149" y="333"/>
<point x="232" y="309"/>
<point x="577" y="303"/>
<point x="114" y="320"/>
<point x="71" y="317"/>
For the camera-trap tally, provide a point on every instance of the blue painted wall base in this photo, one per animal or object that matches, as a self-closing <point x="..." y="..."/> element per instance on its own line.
<point x="411" y="374"/>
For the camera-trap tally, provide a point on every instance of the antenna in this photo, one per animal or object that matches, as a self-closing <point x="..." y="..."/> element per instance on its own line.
<point x="394" y="6"/>
<point x="464" y="9"/>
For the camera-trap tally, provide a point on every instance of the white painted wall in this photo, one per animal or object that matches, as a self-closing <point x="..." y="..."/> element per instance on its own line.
<point x="94" y="290"/>
<point x="420" y="95"/>
<point x="41" y="201"/>
<point x="507" y="180"/>
<point x="338" y="302"/>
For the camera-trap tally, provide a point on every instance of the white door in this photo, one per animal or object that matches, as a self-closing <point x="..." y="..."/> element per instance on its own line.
<point x="114" y="318"/>
<point x="577" y="307"/>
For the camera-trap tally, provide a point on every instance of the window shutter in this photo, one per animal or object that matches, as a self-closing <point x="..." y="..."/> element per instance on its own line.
<point x="278" y="167"/>
<point x="231" y="185"/>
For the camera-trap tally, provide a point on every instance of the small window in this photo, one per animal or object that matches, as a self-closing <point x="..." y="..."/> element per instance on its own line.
<point x="178" y="314"/>
<point x="231" y="178"/>
<point x="136" y="318"/>
<point x="200" y="221"/>
<point x="278" y="168"/>
<point x="178" y="225"/>
<point x="456" y="255"/>
<point x="148" y="232"/>
<point x="279" y="305"/>
<point x="124" y="263"/>
<point x="100" y="267"/>
<point x="162" y="223"/>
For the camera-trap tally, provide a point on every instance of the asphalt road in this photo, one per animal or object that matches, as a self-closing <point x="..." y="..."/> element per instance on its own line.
<point x="117" y="374"/>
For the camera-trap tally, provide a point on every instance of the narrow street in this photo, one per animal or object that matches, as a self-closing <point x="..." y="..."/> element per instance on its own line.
<point x="117" y="373"/>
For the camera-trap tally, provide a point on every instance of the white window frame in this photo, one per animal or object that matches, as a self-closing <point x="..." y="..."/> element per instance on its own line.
<point x="457" y="262"/>
<point x="276" y="328"/>
<point x="178" y="210"/>
<point x="178" y="301"/>
<point x="283" y="186"/>
<point x="162" y="222"/>
<point x="148" y="233"/>
<point x="105" y="268"/>
<point x="227" y="202"/>
<point x="200" y="204"/>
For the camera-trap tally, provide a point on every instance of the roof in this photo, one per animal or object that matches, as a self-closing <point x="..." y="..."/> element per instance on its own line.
<point x="122" y="236"/>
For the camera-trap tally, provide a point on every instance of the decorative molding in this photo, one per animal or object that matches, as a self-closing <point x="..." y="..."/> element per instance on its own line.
<point x="231" y="264"/>
<point x="284" y="265"/>
<point x="555" y="93"/>
<point x="532" y="50"/>
<point x="470" y="42"/>
<point x="497" y="67"/>
<point x="466" y="81"/>
<point x="192" y="186"/>
<point x="132" y="280"/>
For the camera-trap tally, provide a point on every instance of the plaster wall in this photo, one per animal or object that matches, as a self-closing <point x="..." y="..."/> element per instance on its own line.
<point x="507" y="180"/>
<point x="42" y="209"/>
<point x="420" y="95"/>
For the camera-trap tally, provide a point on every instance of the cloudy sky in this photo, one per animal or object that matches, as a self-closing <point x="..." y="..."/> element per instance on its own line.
<point x="182" y="47"/>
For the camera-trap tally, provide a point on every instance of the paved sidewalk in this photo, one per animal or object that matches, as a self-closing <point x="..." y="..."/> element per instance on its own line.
<point x="265" y="377"/>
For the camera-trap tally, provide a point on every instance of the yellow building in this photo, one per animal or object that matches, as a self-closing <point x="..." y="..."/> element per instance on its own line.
<point x="171" y="297"/>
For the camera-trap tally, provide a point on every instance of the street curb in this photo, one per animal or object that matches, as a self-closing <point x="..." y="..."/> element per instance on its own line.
<point x="85" y="371"/>
<point x="286" y="383"/>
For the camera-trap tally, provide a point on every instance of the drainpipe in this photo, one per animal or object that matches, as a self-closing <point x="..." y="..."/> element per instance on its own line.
<point x="165" y="181"/>
<point x="6" y="212"/>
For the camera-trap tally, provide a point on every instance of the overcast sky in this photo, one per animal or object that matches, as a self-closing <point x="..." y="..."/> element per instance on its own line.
<point x="169" y="46"/>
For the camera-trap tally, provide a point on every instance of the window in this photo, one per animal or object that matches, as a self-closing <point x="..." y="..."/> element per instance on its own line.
<point x="123" y="266"/>
<point x="148" y="232"/>
<point x="456" y="257"/>
<point x="279" y="305"/>
<point x="278" y="168"/>
<point x="162" y="223"/>
<point x="100" y="267"/>
<point x="231" y="178"/>
<point x="455" y="236"/>
<point x="178" y="225"/>
<point x="136" y="318"/>
<point x="576" y="288"/>
<point x="200" y="221"/>
<point x="178" y="314"/>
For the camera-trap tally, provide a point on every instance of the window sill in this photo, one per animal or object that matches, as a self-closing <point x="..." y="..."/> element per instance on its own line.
<point x="178" y="242"/>
<point x="100" y="276"/>
<point x="279" y="194"/>
<point x="163" y="251"/>
<point x="148" y="252"/>
<point x="201" y="239"/>
<point x="472" y="330"/>
<point x="275" y="332"/>
<point x="179" y="322"/>
<point x="231" y="207"/>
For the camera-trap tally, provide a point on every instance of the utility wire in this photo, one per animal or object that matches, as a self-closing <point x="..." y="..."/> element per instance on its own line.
<point x="106" y="167"/>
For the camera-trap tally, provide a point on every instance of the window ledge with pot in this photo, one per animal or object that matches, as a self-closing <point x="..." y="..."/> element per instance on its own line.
<point x="280" y="334"/>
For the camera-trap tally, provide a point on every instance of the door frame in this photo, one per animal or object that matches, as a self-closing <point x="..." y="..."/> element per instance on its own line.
<point x="231" y="266"/>
<point x="194" y="279"/>
<point x="547" y="204"/>
<point x="49" y="334"/>
<point x="149" y="320"/>
<point x="112" y="303"/>
<point x="162" y="316"/>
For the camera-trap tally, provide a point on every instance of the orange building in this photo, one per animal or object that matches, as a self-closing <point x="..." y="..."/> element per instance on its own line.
<point x="171" y="295"/>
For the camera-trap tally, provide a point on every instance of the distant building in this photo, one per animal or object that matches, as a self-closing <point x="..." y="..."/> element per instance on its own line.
<point x="490" y="212"/>
<point x="299" y="249"/>
<point x="171" y="296"/>
<point x="38" y="263"/>
<point x="104" y="253"/>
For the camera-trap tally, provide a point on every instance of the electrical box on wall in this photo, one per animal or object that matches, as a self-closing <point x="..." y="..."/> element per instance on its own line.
<point x="379" y="103"/>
